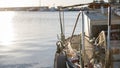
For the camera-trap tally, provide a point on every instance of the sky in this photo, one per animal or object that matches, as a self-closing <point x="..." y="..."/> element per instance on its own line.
<point x="22" y="3"/>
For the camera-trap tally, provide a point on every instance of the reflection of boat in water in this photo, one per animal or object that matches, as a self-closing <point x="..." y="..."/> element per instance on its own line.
<point x="98" y="46"/>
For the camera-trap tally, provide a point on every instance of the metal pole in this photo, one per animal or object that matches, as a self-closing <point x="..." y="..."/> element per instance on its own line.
<point x="108" y="39"/>
<point x="109" y="26"/>
<point x="82" y="40"/>
<point x="75" y="25"/>
<point x="61" y="26"/>
<point x="63" y="23"/>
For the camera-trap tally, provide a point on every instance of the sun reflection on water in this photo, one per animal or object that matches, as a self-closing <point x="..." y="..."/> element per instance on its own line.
<point x="6" y="28"/>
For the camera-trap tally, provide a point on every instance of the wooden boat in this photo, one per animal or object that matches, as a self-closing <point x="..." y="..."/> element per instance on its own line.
<point x="97" y="46"/>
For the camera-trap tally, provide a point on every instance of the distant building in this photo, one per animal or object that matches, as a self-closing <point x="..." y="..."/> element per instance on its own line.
<point x="114" y="1"/>
<point x="44" y="8"/>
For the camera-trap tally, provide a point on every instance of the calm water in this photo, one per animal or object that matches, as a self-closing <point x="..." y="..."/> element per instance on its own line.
<point x="27" y="39"/>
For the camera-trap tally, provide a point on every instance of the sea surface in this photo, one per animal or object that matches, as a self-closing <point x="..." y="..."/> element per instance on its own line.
<point x="28" y="39"/>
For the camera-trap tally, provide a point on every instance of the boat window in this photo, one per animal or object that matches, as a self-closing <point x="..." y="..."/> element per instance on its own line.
<point x="115" y="31"/>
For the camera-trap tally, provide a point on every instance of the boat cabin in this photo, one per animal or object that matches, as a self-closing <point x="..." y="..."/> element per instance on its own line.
<point x="96" y="22"/>
<point x="93" y="23"/>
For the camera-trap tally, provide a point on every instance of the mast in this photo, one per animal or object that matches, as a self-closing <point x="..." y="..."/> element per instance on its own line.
<point x="40" y="3"/>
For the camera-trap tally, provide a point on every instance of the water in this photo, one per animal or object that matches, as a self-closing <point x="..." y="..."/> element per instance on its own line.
<point x="27" y="39"/>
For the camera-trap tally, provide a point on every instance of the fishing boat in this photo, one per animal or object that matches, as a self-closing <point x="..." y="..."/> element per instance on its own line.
<point x="97" y="46"/>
